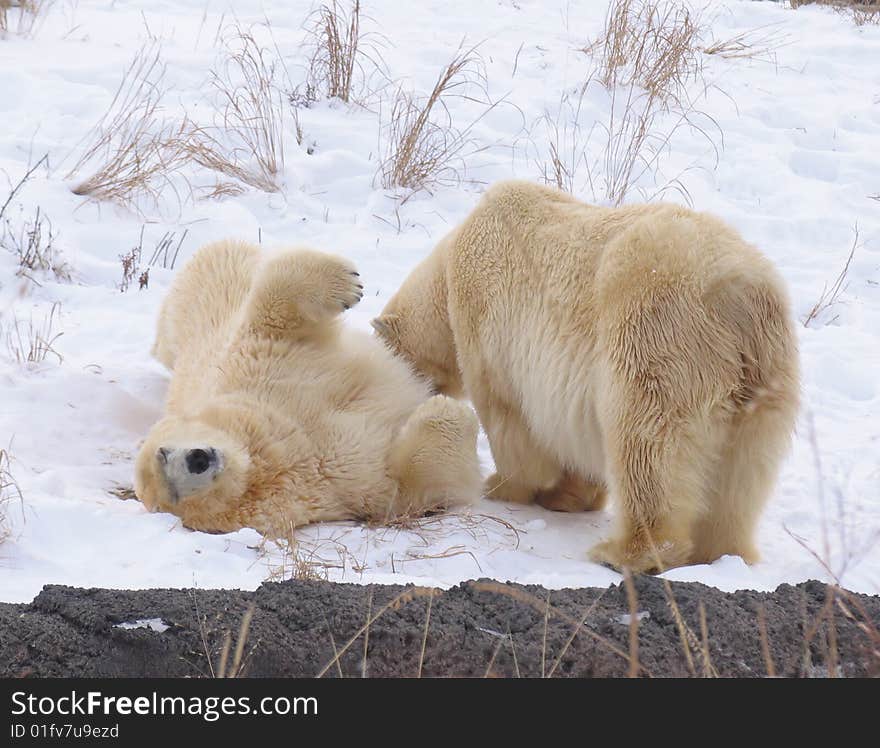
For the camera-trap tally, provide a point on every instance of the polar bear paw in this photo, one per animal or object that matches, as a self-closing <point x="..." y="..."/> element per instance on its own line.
<point x="302" y="288"/>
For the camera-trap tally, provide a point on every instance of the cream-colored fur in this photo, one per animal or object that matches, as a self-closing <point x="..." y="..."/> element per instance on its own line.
<point x="278" y="416"/>
<point x="647" y="349"/>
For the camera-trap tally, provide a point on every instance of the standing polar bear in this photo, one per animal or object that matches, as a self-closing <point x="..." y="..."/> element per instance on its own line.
<point x="645" y="348"/>
<point x="278" y="416"/>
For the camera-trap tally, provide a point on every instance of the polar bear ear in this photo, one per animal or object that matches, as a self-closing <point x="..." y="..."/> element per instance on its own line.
<point x="386" y="327"/>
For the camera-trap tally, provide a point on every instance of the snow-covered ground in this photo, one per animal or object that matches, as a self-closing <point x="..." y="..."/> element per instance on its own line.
<point x="799" y="161"/>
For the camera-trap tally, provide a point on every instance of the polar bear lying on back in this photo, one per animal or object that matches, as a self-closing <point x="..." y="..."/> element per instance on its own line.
<point x="278" y="416"/>
<point x="645" y="348"/>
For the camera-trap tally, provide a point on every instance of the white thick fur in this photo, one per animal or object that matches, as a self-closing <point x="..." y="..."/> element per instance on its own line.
<point x="304" y="419"/>
<point x="647" y="350"/>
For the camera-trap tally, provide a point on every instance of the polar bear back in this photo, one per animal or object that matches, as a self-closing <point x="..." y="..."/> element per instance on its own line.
<point x="537" y="279"/>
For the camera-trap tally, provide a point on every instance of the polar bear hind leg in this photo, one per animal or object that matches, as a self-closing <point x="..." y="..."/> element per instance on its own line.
<point x="659" y="472"/>
<point x="759" y="437"/>
<point x="434" y="459"/>
<point x="523" y="467"/>
<point x="574" y="494"/>
<point x="665" y="415"/>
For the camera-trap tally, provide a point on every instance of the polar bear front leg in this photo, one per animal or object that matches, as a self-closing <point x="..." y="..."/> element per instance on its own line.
<point x="297" y="292"/>
<point x="523" y="467"/>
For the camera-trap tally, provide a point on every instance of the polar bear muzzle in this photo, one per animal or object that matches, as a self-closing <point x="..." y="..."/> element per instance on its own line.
<point x="189" y="470"/>
<point x="199" y="460"/>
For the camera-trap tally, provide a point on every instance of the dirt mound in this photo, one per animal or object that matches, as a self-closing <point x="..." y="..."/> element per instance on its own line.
<point x="475" y="629"/>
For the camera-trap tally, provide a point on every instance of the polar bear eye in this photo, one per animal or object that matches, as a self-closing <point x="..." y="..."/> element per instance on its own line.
<point x="198" y="460"/>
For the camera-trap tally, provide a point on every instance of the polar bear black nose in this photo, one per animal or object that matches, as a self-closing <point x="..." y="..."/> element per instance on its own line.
<point x="198" y="460"/>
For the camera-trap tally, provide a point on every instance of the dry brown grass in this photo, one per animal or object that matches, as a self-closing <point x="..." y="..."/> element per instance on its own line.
<point x="851" y="550"/>
<point x="221" y="189"/>
<point x="15" y="189"/>
<point x="405" y="597"/>
<point x="289" y="554"/>
<point x="336" y="40"/>
<point x="135" y="153"/>
<point x="648" y="59"/>
<point x="131" y="266"/>
<point x="567" y="145"/>
<point x="430" y="531"/>
<point x="851" y="607"/>
<point x="164" y="255"/>
<point x="695" y="650"/>
<point x="343" y="61"/>
<point x="287" y="557"/>
<point x="9" y="492"/>
<point x="863" y="15"/>
<point x="765" y="643"/>
<point x="831" y="294"/>
<point x="755" y="44"/>
<point x="424" y="145"/>
<point x="633" y="603"/>
<point x="22" y="17"/>
<point x="853" y="540"/>
<point x="33" y="245"/>
<point x="32" y="343"/>
<point x="651" y="44"/>
<point x="862" y="12"/>
<point x="624" y="151"/>
<point x="838" y="601"/>
<point x="579" y="623"/>
<point x="122" y="492"/>
<point x="165" y="252"/>
<point x="246" y="142"/>
<point x="235" y="668"/>
<point x="131" y="270"/>
<point x="822" y="630"/>
<point x="424" y="636"/>
<point x="709" y="670"/>
<point x="432" y="527"/>
<point x="138" y="155"/>
<point x="638" y="134"/>
<point x="32" y="241"/>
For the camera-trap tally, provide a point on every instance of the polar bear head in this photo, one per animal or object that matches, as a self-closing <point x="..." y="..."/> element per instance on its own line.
<point x="415" y="324"/>
<point x="194" y="470"/>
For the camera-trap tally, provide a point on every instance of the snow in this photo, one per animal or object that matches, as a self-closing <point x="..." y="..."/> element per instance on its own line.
<point x="153" y="624"/>
<point x="626" y="619"/>
<point x="798" y="163"/>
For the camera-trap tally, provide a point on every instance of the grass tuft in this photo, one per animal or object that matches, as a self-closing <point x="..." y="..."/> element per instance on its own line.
<point x="650" y="44"/>
<point x="755" y="44"/>
<point x="33" y="343"/>
<point x="246" y="142"/>
<point x="862" y="12"/>
<point x="424" y="146"/>
<point x="831" y="294"/>
<point x="9" y="492"/>
<point x="135" y="154"/>
<point x="648" y="63"/>
<point x="22" y="17"/>
<point x="336" y="38"/>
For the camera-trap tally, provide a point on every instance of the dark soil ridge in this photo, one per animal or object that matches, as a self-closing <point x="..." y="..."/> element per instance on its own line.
<point x="476" y="629"/>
